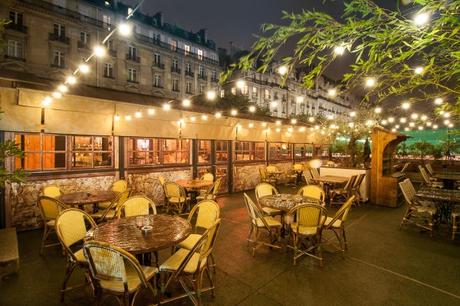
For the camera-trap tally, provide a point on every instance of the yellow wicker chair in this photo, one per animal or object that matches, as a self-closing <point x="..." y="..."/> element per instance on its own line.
<point x="307" y="229"/>
<point x="336" y="224"/>
<point x="208" y="177"/>
<point x="119" y="186"/>
<point x="71" y="229"/>
<point x="212" y="192"/>
<point x="265" y="189"/>
<point x="52" y="191"/>
<point x="116" y="272"/>
<point x="264" y="178"/>
<point x="307" y="177"/>
<point x="49" y="209"/>
<point x="110" y="212"/>
<point x="138" y="205"/>
<point x="314" y="173"/>
<point x="429" y="168"/>
<point x="345" y="192"/>
<point x="260" y="222"/>
<point x="420" y="213"/>
<point x="176" y="197"/>
<point x="314" y="192"/>
<point x="428" y="180"/>
<point x="190" y="266"/>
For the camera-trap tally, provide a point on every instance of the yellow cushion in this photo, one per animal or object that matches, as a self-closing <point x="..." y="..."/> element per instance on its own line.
<point x="337" y="223"/>
<point x="173" y="262"/>
<point x="104" y="204"/>
<point x="304" y="230"/>
<point x="51" y="223"/>
<point x="190" y="242"/>
<point x="132" y="277"/>
<point x="271" y="211"/>
<point x="176" y="199"/>
<point x="272" y="222"/>
<point x="80" y="256"/>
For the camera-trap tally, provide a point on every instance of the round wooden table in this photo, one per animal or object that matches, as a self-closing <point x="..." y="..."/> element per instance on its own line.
<point x="81" y="198"/>
<point x="167" y="231"/>
<point x="285" y="201"/>
<point x="194" y="186"/>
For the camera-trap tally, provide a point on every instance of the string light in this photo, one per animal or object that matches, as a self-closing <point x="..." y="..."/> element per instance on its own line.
<point x="251" y="125"/>
<point x="311" y="119"/>
<point x="278" y="122"/>
<point x="424" y="117"/>
<point x="428" y="123"/>
<point x="332" y="92"/>
<point x="47" y="101"/>
<point x="71" y="80"/>
<point x="264" y="124"/>
<point x="116" y="117"/>
<point x="339" y="50"/>
<point x="299" y="99"/>
<point x="125" y="29"/>
<point x="411" y="124"/>
<point x="438" y="101"/>
<point x="446" y="122"/>
<point x="384" y="122"/>
<point x="193" y="119"/>
<point x="218" y="114"/>
<point x="278" y="130"/>
<point x="451" y="125"/>
<point x="99" y="51"/>
<point x="353" y="114"/>
<point x="420" y="128"/>
<point x="186" y="103"/>
<point x="293" y="121"/>
<point x="414" y="116"/>
<point x="233" y="112"/>
<point x="302" y="129"/>
<point x="421" y="18"/>
<point x="402" y="120"/>
<point x="138" y="114"/>
<point x="419" y="70"/>
<point x="57" y="94"/>
<point x="252" y="109"/>
<point x="62" y="88"/>
<point x="151" y="111"/>
<point x="128" y="117"/>
<point x="240" y="84"/>
<point x="370" y="82"/>
<point x="391" y="119"/>
<point x="405" y="105"/>
<point x="282" y="70"/>
<point x="166" y="107"/>
<point x="378" y="110"/>
<point x="435" y="127"/>
<point x="211" y="95"/>
<point x="446" y="115"/>
<point x="204" y="117"/>
<point x="274" y="104"/>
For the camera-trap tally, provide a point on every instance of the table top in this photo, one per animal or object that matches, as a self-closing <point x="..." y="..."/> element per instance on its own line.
<point x="167" y="231"/>
<point x="85" y="198"/>
<point x="285" y="201"/>
<point x="453" y="176"/>
<point x="437" y="194"/>
<point x="195" y="184"/>
<point x="332" y="179"/>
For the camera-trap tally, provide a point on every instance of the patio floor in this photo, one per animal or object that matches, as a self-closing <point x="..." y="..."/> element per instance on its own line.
<point x="385" y="265"/>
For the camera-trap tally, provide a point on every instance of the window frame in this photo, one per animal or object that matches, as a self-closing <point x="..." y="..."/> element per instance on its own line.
<point x="279" y="156"/>
<point x="250" y="151"/>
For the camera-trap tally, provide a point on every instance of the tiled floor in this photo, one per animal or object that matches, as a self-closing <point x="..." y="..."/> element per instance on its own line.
<point x="385" y="265"/>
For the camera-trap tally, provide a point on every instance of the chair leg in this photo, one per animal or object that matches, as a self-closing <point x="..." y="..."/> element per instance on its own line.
<point x="344" y="239"/>
<point x="454" y="227"/>
<point x="44" y="238"/>
<point x="69" y="270"/>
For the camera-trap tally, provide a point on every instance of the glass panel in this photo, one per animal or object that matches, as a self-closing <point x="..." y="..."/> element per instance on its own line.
<point x="82" y="143"/>
<point x="221" y="151"/>
<point x="82" y="160"/>
<point x="259" y="151"/>
<point x="54" y="143"/>
<point x="102" y="159"/>
<point x="204" y="151"/>
<point x="102" y="143"/>
<point x="32" y="161"/>
<point x="54" y="161"/>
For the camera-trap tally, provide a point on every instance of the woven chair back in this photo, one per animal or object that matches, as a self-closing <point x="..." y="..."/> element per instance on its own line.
<point x="173" y="190"/>
<point x="119" y="186"/>
<point x="49" y="207"/>
<point x="52" y="191"/>
<point x="313" y="191"/>
<point x="263" y="174"/>
<point x="424" y="174"/>
<point x="342" y="213"/>
<point x="429" y="168"/>
<point x="406" y="190"/>
<point x="137" y="206"/>
<point x="71" y="226"/>
<point x="208" y="211"/>
<point x="208" y="177"/>
<point x="314" y="173"/>
<point x="350" y="183"/>
<point x="162" y="180"/>
<point x="264" y="189"/>
<point x="271" y="168"/>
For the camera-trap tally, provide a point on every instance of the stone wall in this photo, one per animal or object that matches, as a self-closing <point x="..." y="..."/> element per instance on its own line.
<point x="148" y="184"/>
<point x="246" y="176"/>
<point x="22" y="198"/>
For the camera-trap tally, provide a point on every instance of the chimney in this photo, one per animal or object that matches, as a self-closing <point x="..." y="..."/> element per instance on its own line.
<point x="204" y="35"/>
<point x="159" y="19"/>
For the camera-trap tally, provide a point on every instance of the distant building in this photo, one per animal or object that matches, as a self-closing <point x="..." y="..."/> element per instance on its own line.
<point x="50" y="38"/>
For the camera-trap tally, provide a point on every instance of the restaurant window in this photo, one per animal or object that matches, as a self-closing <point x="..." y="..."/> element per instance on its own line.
<point x="108" y="70"/>
<point x="91" y="151"/>
<point x="132" y="75"/>
<point x="143" y="151"/>
<point x="176" y="151"/>
<point x="41" y="152"/>
<point x="248" y="150"/>
<point x="279" y="151"/>
<point x="221" y="150"/>
<point x="14" y="48"/>
<point x="302" y="150"/>
<point x="204" y="151"/>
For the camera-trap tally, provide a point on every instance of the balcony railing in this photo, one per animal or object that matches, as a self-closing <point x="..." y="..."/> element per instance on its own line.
<point x="133" y="57"/>
<point x="189" y="73"/>
<point x="202" y="77"/>
<point x="175" y="69"/>
<point x="157" y="85"/>
<point x="214" y="79"/>
<point x="60" y="66"/>
<point x="15" y="58"/>
<point x="82" y="45"/>
<point x="159" y="65"/>
<point x="16" y="27"/>
<point x="60" y="38"/>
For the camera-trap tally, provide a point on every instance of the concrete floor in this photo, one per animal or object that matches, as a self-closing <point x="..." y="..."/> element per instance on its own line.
<point x="385" y="265"/>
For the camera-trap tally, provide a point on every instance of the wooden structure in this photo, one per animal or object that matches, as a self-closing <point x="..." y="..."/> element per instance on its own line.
<point x="384" y="182"/>
<point x="9" y="254"/>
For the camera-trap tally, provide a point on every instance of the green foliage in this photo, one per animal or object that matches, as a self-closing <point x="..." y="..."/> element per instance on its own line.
<point x="422" y="149"/>
<point x="230" y="101"/>
<point x="386" y="44"/>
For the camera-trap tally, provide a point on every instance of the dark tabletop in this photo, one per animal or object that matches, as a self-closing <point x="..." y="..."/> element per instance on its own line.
<point x="284" y="201"/>
<point x="194" y="184"/>
<point x="167" y="231"/>
<point x="437" y="194"/>
<point x="84" y="198"/>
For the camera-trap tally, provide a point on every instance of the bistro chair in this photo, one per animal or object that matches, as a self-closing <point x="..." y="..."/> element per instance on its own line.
<point x="314" y="173"/>
<point x="190" y="266"/>
<point x="429" y="168"/>
<point x="207" y="212"/>
<point x="260" y="222"/>
<point x="345" y="192"/>
<point x="116" y="272"/>
<point x="428" y="180"/>
<point x="110" y="212"/>
<point x="265" y="189"/>
<point x="336" y="224"/>
<point x="307" y="177"/>
<point x="118" y="187"/>
<point x="52" y="191"/>
<point x="162" y="180"/>
<point x="212" y="192"/>
<point x="49" y="209"/>
<point x="176" y="197"/>
<point x="313" y="191"/>
<point x="405" y="167"/>
<point x="264" y="178"/>
<point x="138" y="205"/>
<point x="306" y="231"/>
<point x="208" y="177"/>
<point x="71" y="229"/>
<point x="419" y="213"/>
<point x="356" y="189"/>
<point x="272" y="172"/>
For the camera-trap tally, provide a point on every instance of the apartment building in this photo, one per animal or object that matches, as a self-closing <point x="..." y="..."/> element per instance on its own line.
<point x="159" y="59"/>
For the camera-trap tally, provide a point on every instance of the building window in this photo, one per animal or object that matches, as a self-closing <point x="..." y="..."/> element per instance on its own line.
<point x="156" y="58"/>
<point x="222" y="93"/>
<point x="186" y="49"/>
<point x="16" y="18"/>
<point x="201" y="71"/>
<point x="41" y="152"/>
<point x="84" y="37"/>
<point x="200" y="54"/>
<point x="245" y="90"/>
<point x="175" y="64"/>
<point x="188" y="88"/>
<point x="107" y="21"/>
<point x="58" y="59"/>
<point x="267" y="94"/>
<point x="109" y="45"/>
<point x="108" y="70"/>
<point x="188" y="68"/>
<point x="254" y="92"/>
<point x="132" y="53"/>
<point x="176" y="151"/>
<point x="204" y="151"/>
<point x="157" y="80"/>
<point x="248" y="150"/>
<point x="14" y="48"/>
<point x="143" y="151"/>
<point x="173" y="45"/>
<point x="279" y="151"/>
<point x="132" y="75"/>
<point x="201" y="88"/>
<point x="59" y="30"/>
<point x="221" y="150"/>
<point x="91" y="151"/>
<point x="214" y="76"/>
<point x="175" y="85"/>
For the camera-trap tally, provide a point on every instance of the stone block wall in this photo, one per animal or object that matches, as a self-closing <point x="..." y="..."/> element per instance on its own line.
<point x="246" y="176"/>
<point x="22" y="198"/>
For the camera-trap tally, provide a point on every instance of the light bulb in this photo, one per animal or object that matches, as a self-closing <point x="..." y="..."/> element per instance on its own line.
<point x="62" y="88"/>
<point x="278" y="122"/>
<point x="57" y="94"/>
<point x="274" y="104"/>
<point x="99" y="51"/>
<point x="384" y="122"/>
<point x="218" y="114"/>
<point x="378" y="110"/>
<point x="116" y="117"/>
<point x="204" y="117"/>
<point x="311" y="119"/>
<point x="125" y="29"/>
<point x="419" y="70"/>
<point x="353" y="114"/>
<point x="138" y="114"/>
<point x="71" y="80"/>
<point x="405" y="105"/>
<point x="47" y="101"/>
<point x="446" y="115"/>
<point x="193" y="119"/>
<point x="424" y="117"/>
<point x="186" y="103"/>
<point x="293" y="121"/>
<point x="252" y="109"/>
<point x="391" y="119"/>
<point x="332" y="92"/>
<point x="403" y="120"/>
<point x="438" y="101"/>
<point x="370" y="82"/>
<point x="339" y="50"/>
<point x="233" y="112"/>
<point x="435" y="126"/>
<point x="128" y="117"/>
<point x="414" y="116"/>
<point x="411" y="124"/>
<point x="166" y="107"/>
<point x="282" y="70"/>
<point x="251" y="125"/>
<point x="240" y="84"/>
<point x="151" y="111"/>
<point x="83" y="68"/>
<point x="263" y="124"/>
<point x="211" y="95"/>
<point x="421" y="18"/>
